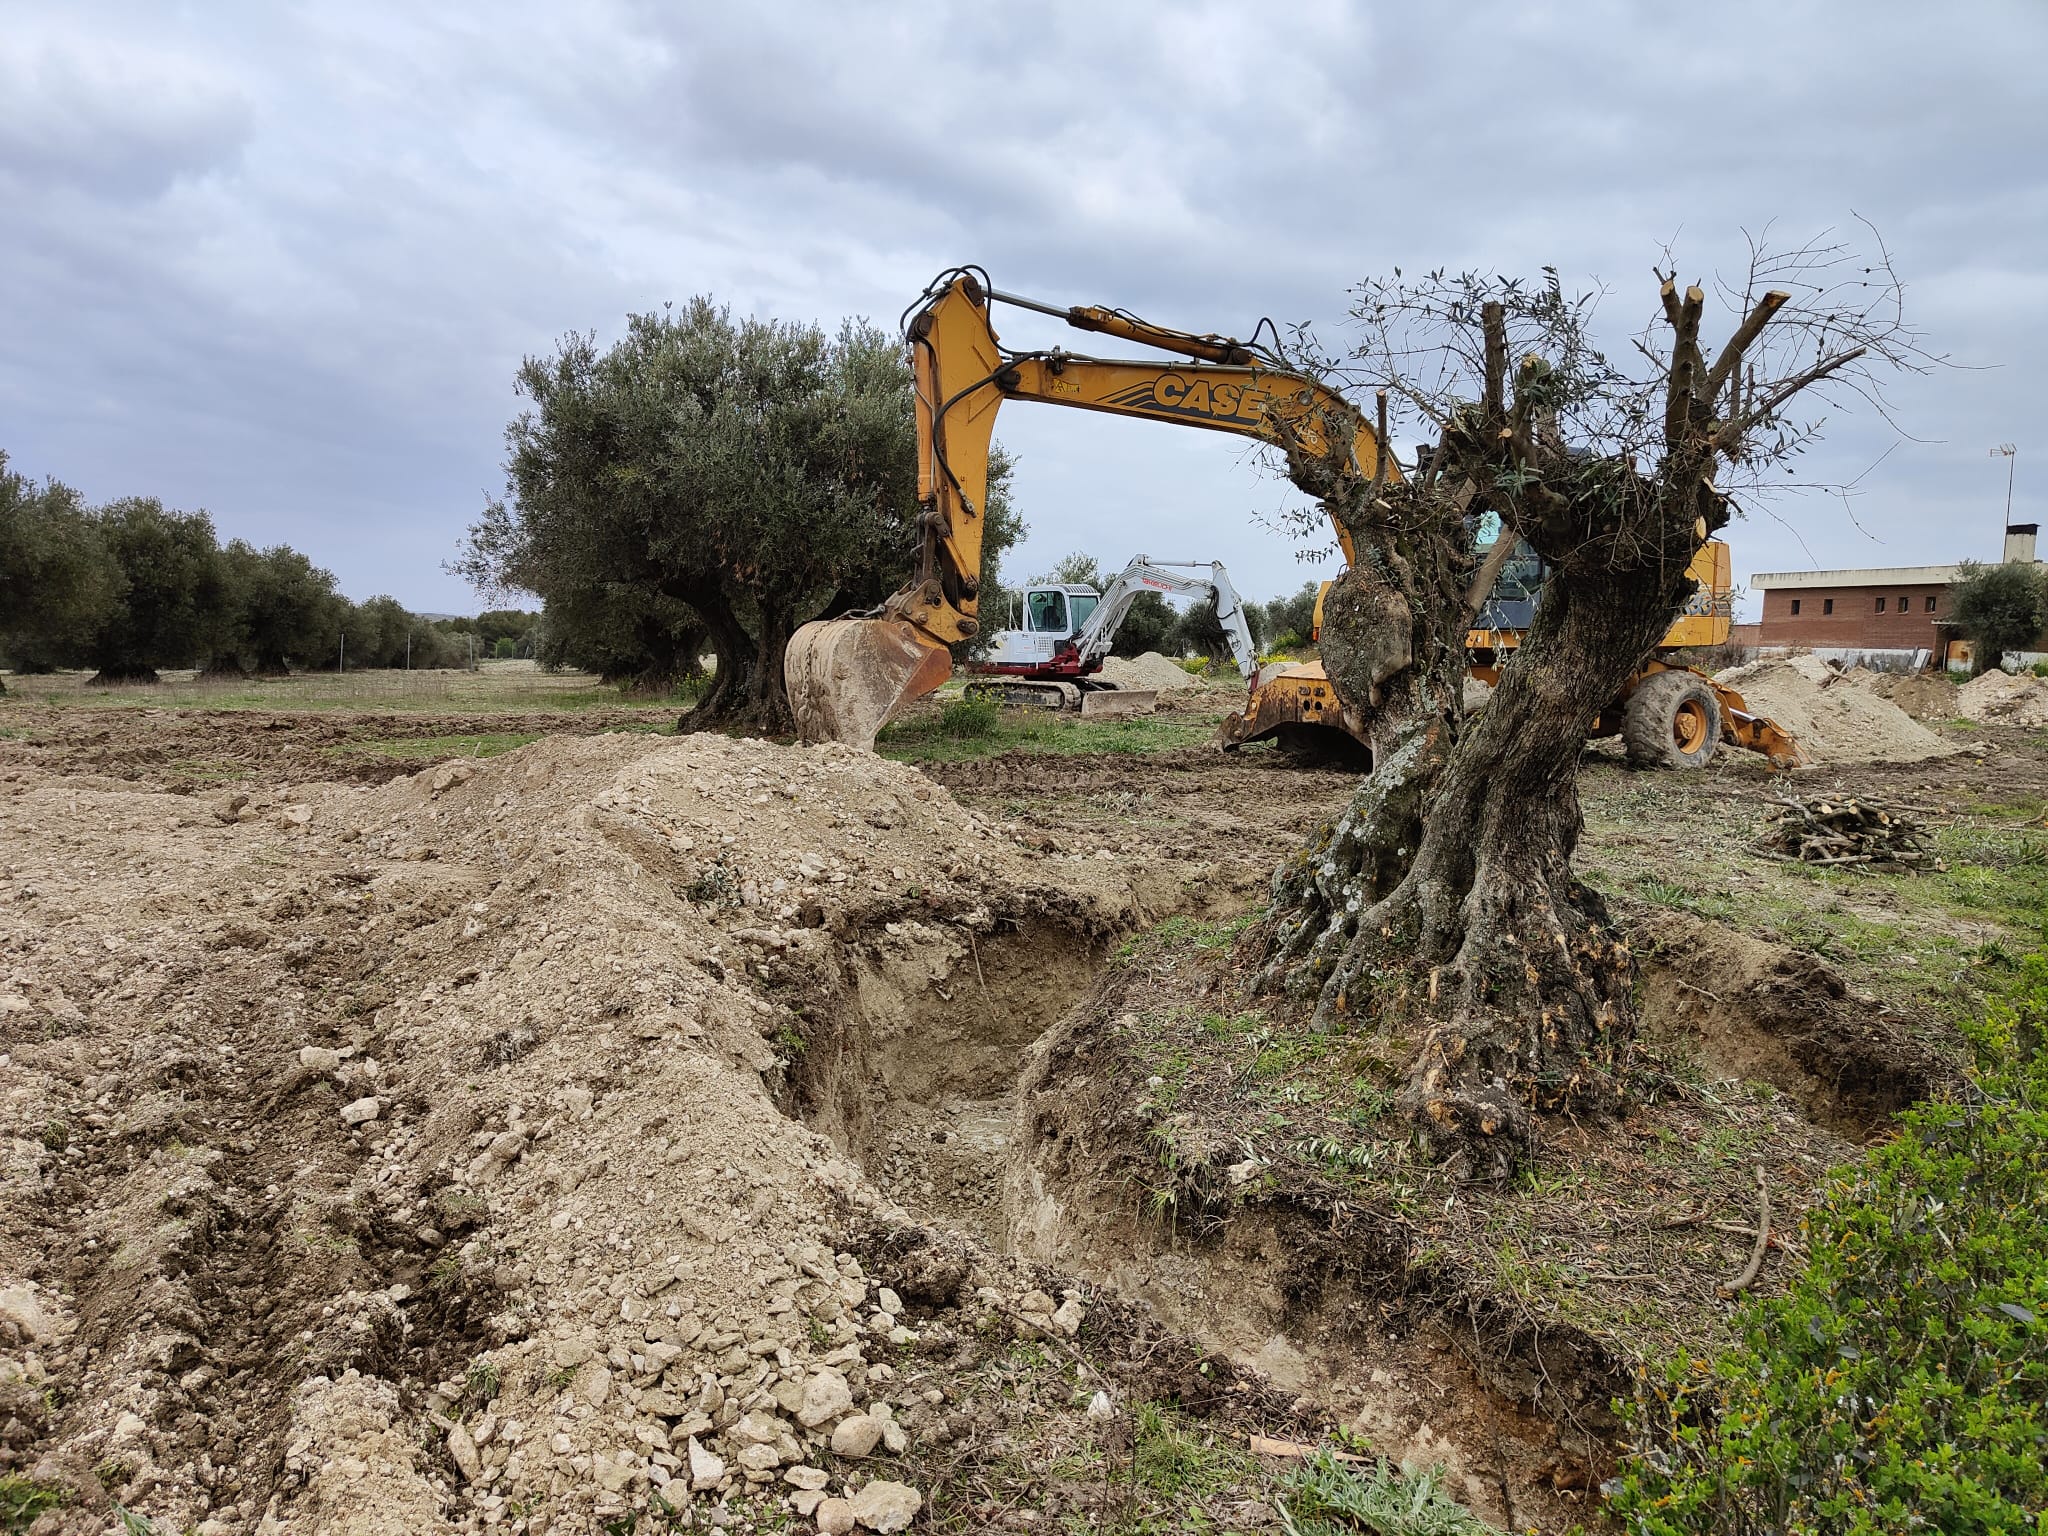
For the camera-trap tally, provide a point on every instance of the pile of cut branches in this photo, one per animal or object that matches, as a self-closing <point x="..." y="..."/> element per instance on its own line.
<point x="1843" y="829"/>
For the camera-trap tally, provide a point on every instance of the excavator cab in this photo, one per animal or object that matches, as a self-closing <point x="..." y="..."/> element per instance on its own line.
<point x="1052" y="616"/>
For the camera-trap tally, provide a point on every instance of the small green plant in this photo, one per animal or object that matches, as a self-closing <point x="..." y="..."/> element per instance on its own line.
<point x="56" y="1135"/>
<point x="714" y="886"/>
<point x="971" y="717"/>
<point x="22" y="1499"/>
<point x="1180" y="1461"/>
<point x="1327" y="1497"/>
<point x="481" y="1385"/>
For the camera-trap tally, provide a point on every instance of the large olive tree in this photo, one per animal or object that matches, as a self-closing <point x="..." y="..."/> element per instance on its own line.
<point x="729" y="479"/>
<point x="1442" y="907"/>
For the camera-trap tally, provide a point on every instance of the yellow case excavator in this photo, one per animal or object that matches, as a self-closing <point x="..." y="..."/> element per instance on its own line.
<point x="849" y="677"/>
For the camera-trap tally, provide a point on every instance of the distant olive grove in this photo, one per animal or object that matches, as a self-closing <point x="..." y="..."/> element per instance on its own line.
<point x="133" y="586"/>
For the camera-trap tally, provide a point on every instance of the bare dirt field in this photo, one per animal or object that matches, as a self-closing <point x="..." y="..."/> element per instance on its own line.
<point x="495" y="1113"/>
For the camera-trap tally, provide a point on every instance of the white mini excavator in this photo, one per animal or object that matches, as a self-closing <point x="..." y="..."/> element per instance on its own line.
<point x="1055" y="660"/>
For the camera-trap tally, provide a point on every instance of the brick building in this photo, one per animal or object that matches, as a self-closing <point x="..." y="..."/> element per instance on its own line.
<point x="1898" y="609"/>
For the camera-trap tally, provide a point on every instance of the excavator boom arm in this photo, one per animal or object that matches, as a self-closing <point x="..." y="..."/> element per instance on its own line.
<point x="848" y="677"/>
<point x="964" y="376"/>
<point x="1147" y="575"/>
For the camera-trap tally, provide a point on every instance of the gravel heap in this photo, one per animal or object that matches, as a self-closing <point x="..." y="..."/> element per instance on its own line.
<point x="1149" y="669"/>
<point x="2005" y="698"/>
<point x="1832" y="719"/>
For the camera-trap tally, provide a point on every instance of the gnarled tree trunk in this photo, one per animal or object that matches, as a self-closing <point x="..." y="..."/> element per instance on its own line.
<point x="1441" y="909"/>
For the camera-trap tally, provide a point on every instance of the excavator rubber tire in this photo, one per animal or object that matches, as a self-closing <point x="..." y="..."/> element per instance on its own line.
<point x="1672" y="720"/>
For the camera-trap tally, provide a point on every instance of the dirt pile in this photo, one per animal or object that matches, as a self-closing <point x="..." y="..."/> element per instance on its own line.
<point x="1832" y="719"/>
<point x="1149" y="669"/>
<point x="410" y="1157"/>
<point x="1923" y="695"/>
<point x="2004" y="698"/>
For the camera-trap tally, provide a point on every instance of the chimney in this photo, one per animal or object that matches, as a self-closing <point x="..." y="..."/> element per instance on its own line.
<point x="2019" y="543"/>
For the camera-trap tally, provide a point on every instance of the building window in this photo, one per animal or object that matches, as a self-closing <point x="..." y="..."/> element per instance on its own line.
<point x="1880" y="605"/>
<point x="1795" y="607"/>
<point x="1827" y="605"/>
<point x="1930" y="602"/>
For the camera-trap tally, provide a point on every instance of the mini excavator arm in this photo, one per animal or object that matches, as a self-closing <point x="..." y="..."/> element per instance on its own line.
<point x="849" y="676"/>
<point x="1147" y="575"/>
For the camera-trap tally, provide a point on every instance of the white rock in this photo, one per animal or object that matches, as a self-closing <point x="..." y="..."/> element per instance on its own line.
<point x="760" y="1458"/>
<point x="758" y="1428"/>
<point x="1035" y="1304"/>
<point x="1100" y="1407"/>
<point x="806" y="1477"/>
<point x="706" y="1470"/>
<point x="894" y="1438"/>
<point x="593" y="1383"/>
<point x="834" y="1517"/>
<point x="319" y="1058"/>
<point x="888" y="1301"/>
<point x="805" y="1500"/>
<point x="462" y="1449"/>
<point x="362" y="1111"/>
<point x="20" y="1310"/>
<point x="1069" y="1317"/>
<point x="885" y="1506"/>
<point x="856" y="1435"/>
<point x="826" y="1396"/>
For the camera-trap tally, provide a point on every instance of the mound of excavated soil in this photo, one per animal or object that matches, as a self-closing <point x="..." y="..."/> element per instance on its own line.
<point x="1149" y="669"/>
<point x="409" y="1158"/>
<point x="2004" y="698"/>
<point x="1923" y="695"/>
<point x="1832" y="719"/>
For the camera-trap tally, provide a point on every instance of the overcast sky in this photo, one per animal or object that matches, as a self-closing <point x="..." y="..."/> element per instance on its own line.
<point x="281" y="261"/>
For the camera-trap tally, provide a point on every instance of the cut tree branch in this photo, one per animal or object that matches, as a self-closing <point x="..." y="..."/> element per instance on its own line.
<point x="1494" y="318"/>
<point x="1730" y="436"/>
<point x="1753" y="323"/>
<point x="1754" y="1267"/>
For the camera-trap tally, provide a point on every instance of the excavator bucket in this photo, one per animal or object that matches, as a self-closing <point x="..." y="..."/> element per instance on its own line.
<point x="850" y="677"/>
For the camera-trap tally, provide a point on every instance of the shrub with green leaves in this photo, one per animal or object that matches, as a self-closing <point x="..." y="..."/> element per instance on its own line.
<point x="1901" y="1382"/>
<point x="1327" y="1497"/>
<point x="971" y="717"/>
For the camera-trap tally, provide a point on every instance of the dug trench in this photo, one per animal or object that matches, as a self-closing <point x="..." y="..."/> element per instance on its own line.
<point x="1013" y="1092"/>
<point x="595" y="1133"/>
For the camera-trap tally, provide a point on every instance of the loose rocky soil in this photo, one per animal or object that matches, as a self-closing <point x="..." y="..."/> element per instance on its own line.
<point x="626" y="1124"/>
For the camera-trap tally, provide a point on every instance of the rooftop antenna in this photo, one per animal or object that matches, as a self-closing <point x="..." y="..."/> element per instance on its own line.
<point x="2011" y="456"/>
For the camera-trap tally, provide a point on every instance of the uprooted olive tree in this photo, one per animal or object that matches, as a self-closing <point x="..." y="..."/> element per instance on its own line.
<point x="1441" y="909"/>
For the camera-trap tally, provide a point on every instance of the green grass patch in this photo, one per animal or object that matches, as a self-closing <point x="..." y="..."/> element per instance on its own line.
<point x="1901" y="1380"/>
<point x="433" y="748"/>
<point x="959" y="730"/>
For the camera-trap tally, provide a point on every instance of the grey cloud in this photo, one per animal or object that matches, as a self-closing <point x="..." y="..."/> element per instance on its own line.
<point x="112" y="122"/>
<point x="289" y="275"/>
